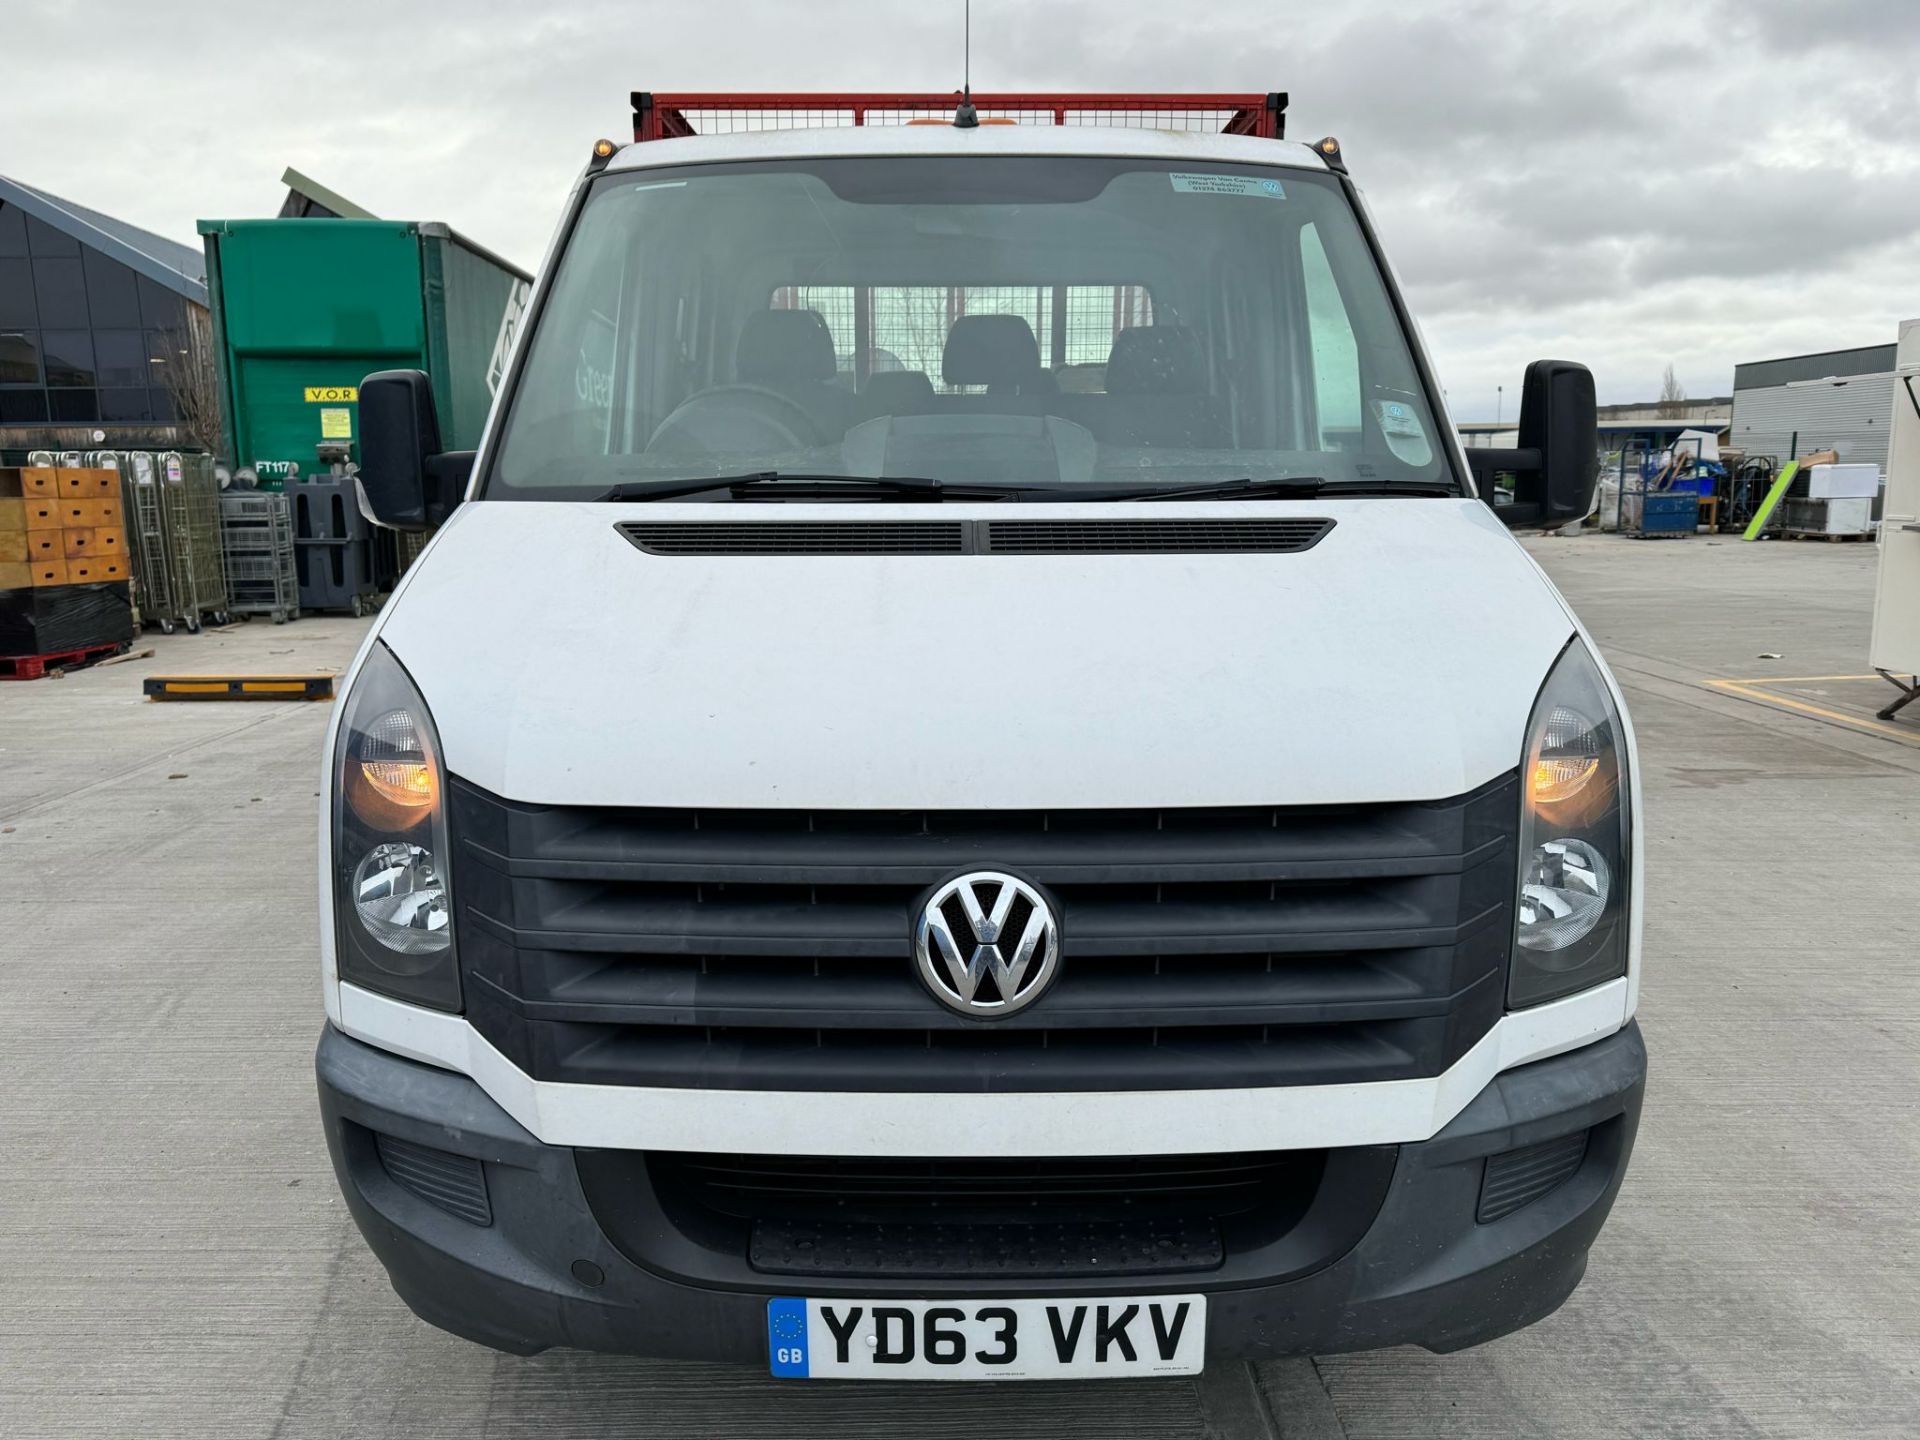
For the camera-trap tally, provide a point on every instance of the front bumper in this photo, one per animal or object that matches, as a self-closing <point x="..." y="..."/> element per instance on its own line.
<point x="542" y="1271"/>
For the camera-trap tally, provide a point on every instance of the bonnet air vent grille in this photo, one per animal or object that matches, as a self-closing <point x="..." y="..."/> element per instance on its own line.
<point x="799" y="537"/>
<point x="975" y="537"/>
<point x="1160" y="537"/>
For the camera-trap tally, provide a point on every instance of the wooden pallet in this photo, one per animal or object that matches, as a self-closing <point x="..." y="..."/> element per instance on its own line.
<point x="32" y="667"/>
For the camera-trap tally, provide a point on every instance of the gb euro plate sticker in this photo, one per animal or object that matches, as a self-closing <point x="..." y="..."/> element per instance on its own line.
<point x="1192" y="184"/>
<point x="787" y="1337"/>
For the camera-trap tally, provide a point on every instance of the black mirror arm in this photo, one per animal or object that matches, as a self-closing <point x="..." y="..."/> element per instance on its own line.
<point x="447" y="475"/>
<point x="1492" y="462"/>
<point x="1526" y="466"/>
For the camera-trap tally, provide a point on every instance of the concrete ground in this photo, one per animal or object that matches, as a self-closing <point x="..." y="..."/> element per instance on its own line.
<point x="174" y="1260"/>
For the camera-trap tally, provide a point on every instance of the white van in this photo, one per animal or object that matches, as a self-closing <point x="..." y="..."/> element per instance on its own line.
<point x="972" y="787"/>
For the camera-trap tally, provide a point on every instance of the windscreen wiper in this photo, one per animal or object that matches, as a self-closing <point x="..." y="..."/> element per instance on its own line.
<point x="1288" y="487"/>
<point x="794" y="485"/>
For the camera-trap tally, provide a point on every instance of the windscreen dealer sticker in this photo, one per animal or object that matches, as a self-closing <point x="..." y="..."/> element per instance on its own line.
<point x="1189" y="184"/>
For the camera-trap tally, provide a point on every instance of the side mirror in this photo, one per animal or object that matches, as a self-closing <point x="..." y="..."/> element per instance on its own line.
<point x="407" y="482"/>
<point x="1557" y="463"/>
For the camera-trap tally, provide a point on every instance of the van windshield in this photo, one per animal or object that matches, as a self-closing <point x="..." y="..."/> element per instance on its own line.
<point x="1026" y="322"/>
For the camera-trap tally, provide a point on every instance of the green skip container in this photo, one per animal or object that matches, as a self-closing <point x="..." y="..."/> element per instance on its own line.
<point x="305" y="309"/>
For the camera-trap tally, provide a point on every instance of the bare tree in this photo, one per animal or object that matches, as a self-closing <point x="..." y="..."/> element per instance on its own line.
<point x="1673" y="396"/>
<point x="193" y="383"/>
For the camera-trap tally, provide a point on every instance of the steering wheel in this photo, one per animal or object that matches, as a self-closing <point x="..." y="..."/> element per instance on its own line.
<point x="750" y="419"/>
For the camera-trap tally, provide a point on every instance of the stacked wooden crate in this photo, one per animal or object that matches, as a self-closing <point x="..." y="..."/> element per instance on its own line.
<point x="61" y="527"/>
<point x="63" y="563"/>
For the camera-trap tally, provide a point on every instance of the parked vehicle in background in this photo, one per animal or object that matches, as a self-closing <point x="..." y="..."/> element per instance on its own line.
<point x="968" y="789"/>
<point x="302" y="309"/>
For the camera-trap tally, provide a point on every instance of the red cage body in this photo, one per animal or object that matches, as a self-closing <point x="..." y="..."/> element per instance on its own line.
<point x="665" y="116"/>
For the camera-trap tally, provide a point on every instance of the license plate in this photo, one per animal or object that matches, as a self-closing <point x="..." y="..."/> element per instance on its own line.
<point x="986" y="1339"/>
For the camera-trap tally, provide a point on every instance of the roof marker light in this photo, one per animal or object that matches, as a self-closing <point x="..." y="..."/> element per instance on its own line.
<point x="1329" y="149"/>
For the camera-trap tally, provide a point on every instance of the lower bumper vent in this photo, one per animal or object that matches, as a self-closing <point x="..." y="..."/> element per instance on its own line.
<point x="1519" y="1177"/>
<point x="971" y="1219"/>
<point x="456" y="1184"/>
<point x="1143" y="1245"/>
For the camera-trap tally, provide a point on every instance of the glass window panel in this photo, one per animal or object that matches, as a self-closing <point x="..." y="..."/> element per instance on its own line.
<point x="13" y="230"/>
<point x="61" y="289"/>
<point x="23" y="407"/>
<point x="16" y="294"/>
<point x="1273" y="355"/>
<point x="120" y="357"/>
<point x="43" y="239"/>
<point x="163" y="355"/>
<point x="68" y="356"/>
<point x="160" y="308"/>
<point x="74" y="404"/>
<point x="162" y="403"/>
<point x="113" y="296"/>
<point x="125" y="404"/>
<point x="19" y="357"/>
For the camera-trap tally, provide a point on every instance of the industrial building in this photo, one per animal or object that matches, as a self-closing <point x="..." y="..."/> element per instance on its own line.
<point x="1838" y="400"/>
<point x="100" y="325"/>
<point x="1711" y="414"/>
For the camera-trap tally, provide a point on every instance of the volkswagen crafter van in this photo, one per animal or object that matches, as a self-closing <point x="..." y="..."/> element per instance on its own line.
<point x="973" y="784"/>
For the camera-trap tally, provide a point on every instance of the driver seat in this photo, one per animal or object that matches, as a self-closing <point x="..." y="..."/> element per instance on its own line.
<point x="999" y="352"/>
<point x="791" y="353"/>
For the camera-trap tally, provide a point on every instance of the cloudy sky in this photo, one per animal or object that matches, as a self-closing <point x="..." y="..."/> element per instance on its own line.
<point x="1695" y="182"/>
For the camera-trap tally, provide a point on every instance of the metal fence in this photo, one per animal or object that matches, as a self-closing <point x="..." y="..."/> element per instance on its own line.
<point x="1074" y="325"/>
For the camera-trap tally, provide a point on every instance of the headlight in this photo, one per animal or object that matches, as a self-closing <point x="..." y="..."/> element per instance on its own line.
<point x="400" y="899"/>
<point x="393" y="908"/>
<point x="1570" y="931"/>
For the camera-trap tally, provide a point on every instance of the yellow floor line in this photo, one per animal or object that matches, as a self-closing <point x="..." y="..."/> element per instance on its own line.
<point x="1750" y="690"/>
<point x="1800" y="679"/>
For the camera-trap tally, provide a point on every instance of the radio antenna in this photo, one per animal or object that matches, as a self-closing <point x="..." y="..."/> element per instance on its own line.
<point x="966" y="117"/>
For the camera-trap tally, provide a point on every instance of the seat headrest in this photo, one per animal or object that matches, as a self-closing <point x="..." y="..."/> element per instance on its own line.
<point x="784" y="345"/>
<point x="992" y="350"/>
<point x="1156" y="360"/>
<point x="895" y="391"/>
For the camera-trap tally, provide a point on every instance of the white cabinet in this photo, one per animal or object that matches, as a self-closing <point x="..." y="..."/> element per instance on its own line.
<point x="1844" y="482"/>
<point x="1896" y="607"/>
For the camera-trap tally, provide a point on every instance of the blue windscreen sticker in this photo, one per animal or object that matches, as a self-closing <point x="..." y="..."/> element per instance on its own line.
<point x="787" y="1337"/>
<point x="1193" y="184"/>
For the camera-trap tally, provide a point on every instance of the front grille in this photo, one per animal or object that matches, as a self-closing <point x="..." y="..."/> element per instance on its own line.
<point x="771" y="949"/>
